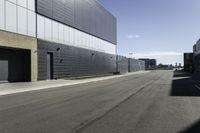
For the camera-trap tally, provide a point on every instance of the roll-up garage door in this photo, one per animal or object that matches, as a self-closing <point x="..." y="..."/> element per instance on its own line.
<point x="15" y="65"/>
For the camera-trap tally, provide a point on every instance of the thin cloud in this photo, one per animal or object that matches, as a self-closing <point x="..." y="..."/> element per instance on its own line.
<point x="157" y="54"/>
<point x="134" y="36"/>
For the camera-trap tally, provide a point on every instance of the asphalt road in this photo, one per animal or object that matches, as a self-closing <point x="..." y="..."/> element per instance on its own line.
<point x="155" y="102"/>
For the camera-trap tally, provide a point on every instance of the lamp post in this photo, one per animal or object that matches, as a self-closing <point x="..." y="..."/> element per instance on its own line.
<point x="130" y="55"/>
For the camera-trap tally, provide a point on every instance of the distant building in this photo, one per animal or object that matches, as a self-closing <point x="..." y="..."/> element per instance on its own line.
<point x="153" y="63"/>
<point x="176" y="64"/>
<point x="188" y="62"/>
<point x="196" y="57"/>
<point x="164" y="67"/>
<point x="149" y="63"/>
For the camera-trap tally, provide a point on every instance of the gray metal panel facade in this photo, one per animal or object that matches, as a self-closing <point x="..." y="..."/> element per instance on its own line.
<point x="125" y="65"/>
<point x="73" y="61"/>
<point x="86" y="15"/>
<point x="122" y="64"/>
<point x="45" y="7"/>
<point x="197" y="64"/>
<point x="136" y="65"/>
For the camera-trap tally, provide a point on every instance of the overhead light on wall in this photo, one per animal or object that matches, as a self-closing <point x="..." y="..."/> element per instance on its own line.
<point x="61" y="60"/>
<point x="58" y="49"/>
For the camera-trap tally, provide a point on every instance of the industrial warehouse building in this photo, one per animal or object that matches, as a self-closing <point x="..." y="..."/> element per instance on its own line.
<point x="50" y="39"/>
<point x="192" y="60"/>
<point x="188" y="62"/>
<point x="150" y="64"/>
<point x="196" y="57"/>
<point x="125" y="65"/>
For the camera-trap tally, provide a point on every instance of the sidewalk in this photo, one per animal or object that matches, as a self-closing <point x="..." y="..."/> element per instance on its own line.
<point x="11" y="88"/>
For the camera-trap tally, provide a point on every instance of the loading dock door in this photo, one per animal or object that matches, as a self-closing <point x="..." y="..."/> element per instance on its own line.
<point x="3" y="70"/>
<point x="15" y="65"/>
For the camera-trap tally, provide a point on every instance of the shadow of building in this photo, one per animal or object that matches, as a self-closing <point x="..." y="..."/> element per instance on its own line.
<point x="195" y="128"/>
<point x="183" y="84"/>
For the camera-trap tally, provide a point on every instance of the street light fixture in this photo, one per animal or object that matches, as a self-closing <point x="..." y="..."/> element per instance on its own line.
<point x="130" y="55"/>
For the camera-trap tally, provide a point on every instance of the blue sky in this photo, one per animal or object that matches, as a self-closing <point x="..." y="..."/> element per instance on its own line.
<point x="161" y="29"/>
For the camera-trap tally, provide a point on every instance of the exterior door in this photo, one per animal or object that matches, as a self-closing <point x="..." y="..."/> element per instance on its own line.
<point x="3" y="71"/>
<point x="49" y="66"/>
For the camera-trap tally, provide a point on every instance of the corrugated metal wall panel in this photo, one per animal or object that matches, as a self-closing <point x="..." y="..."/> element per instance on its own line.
<point x="59" y="10"/>
<point x="122" y="64"/>
<point x="92" y="17"/>
<point x="125" y="65"/>
<point x="86" y="15"/>
<point x="76" y="61"/>
<point x="45" y="7"/>
<point x="69" y="12"/>
<point x="136" y="65"/>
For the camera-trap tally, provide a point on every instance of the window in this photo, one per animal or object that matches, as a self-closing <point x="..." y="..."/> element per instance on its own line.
<point x="84" y="40"/>
<point x="99" y="43"/>
<point x="60" y="33"/>
<point x="40" y="27"/>
<point x="11" y="17"/>
<point x="87" y="41"/>
<point x="55" y="31"/>
<point x="75" y="36"/>
<point x="80" y="38"/>
<point x="48" y="29"/>
<point x="95" y="45"/>
<point x="31" y="5"/>
<point x="22" y="20"/>
<point x="2" y="14"/>
<point x="66" y="34"/>
<point x="31" y="24"/>
<point x="71" y="32"/>
<point x="92" y="42"/>
<point x="22" y="3"/>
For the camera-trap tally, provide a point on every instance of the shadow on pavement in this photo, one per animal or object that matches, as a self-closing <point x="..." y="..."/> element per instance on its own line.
<point x="181" y="74"/>
<point x="195" y="128"/>
<point x="183" y="85"/>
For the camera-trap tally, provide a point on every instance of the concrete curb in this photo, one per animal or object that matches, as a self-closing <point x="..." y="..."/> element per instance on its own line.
<point x="13" y="88"/>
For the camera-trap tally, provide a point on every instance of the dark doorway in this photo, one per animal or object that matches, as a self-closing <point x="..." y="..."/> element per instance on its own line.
<point x="15" y="65"/>
<point x="49" y="65"/>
